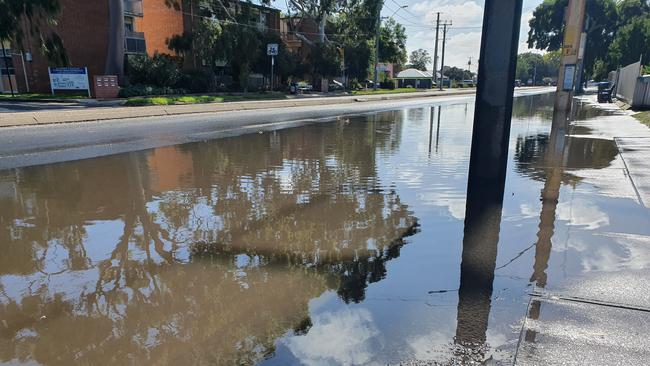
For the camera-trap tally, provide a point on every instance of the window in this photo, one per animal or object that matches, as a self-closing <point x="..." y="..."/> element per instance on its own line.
<point x="129" y="25"/>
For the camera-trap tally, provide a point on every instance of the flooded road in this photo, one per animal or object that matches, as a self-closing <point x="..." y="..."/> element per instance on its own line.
<point x="339" y="242"/>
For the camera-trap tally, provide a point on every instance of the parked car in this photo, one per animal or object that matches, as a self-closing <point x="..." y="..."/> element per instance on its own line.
<point x="300" y="88"/>
<point x="304" y="87"/>
<point x="605" y="90"/>
<point x="468" y="83"/>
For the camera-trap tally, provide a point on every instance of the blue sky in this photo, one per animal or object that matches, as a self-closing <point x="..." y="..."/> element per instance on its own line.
<point x="464" y="37"/>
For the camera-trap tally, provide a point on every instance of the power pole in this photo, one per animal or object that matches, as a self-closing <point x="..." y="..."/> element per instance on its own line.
<point x="378" y="28"/>
<point x="570" y="52"/>
<point x="435" y="49"/>
<point x="442" y="63"/>
<point x="487" y="170"/>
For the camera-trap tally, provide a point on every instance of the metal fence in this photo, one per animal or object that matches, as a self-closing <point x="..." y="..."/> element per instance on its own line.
<point x="631" y="86"/>
<point x="626" y="81"/>
<point x="641" y="99"/>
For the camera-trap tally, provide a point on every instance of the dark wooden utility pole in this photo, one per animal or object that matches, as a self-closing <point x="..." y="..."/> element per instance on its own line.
<point x="435" y="51"/>
<point x="442" y="62"/>
<point x="496" y="79"/>
<point x="487" y="168"/>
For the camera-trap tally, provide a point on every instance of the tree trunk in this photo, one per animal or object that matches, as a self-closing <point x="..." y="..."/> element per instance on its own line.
<point x="115" y="54"/>
<point x="321" y="28"/>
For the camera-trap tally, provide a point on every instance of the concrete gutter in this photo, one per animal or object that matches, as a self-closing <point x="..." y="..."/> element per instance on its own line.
<point x="12" y="119"/>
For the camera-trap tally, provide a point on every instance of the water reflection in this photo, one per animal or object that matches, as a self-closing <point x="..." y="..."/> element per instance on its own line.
<point x="548" y="159"/>
<point x="262" y="248"/>
<point x="172" y="260"/>
<point x="481" y="236"/>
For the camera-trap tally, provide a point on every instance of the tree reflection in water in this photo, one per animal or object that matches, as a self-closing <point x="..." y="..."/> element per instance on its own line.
<point x="221" y="246"/>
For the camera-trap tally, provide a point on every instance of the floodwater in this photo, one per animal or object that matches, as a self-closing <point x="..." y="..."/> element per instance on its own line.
<point x="331" y="243"/>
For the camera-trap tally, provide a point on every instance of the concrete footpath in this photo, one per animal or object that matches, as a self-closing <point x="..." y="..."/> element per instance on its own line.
<point x="39" y="117"/>
<point x="600" y="318"/>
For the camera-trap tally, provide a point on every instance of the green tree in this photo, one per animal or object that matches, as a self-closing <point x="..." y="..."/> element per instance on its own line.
<point x="533" y="66"/>
<point x="630" y="9"/>
<point x="159" y="70"/>
<point x="240" y="48"/>
<point x="22" y="20"/>
<point x="229" y="41"/>
<point x="318" y="10"/>
<point x="351" y="30"/>
<point x="392" y="43"/>
<point x="632" y="41"/>
<point x="420" y="59"/>
<point x="547" y="28"/>
<point x="286" y="63"/>
<point x="457" y="74"/>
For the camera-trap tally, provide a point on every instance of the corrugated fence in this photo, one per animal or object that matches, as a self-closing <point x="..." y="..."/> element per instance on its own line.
<point x="631" y="86"/>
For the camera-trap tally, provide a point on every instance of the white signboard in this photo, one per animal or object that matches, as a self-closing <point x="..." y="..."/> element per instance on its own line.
<point x="272" y="49"/>
<point x="69" y="78"/>
<point x="569" y="76"/>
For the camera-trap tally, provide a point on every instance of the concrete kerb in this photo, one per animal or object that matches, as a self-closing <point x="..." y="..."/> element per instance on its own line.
<point x="14" y="119"/>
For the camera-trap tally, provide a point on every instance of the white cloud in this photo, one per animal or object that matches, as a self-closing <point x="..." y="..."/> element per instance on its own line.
<point x="580" y="212"/>
<point x="340" y="338"/>
<point x="461" y="13"/>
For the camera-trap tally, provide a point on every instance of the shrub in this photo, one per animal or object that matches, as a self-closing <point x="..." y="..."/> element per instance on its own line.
<point x="159" y="70"/>
<point x="139" y="90"/>
<point x="197" y="81"/>
<point x="387" y="84"/>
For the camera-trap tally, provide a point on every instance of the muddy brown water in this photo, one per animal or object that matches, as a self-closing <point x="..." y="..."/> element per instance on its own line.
<point x="337" y="242"/>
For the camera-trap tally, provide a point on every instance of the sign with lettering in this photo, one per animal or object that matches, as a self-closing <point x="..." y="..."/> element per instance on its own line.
<point x="272" y="49"/>
<point x="69" y="78"/>
<point x="569" y="76"/>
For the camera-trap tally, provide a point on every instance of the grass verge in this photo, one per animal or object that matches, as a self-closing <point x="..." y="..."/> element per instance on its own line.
<point x="643" y="117"/>
<point x="386" y="91"/>
<point x="142" y="101"/>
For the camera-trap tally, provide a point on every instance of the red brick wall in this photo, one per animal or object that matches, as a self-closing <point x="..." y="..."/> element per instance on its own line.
<point x="83" y="27"/>
<point x="159" y="24"/>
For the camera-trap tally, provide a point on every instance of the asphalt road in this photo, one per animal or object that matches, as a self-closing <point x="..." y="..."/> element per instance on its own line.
<point x="34" y="145"/>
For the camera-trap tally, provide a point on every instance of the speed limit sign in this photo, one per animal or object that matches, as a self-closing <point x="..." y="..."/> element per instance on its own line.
<point x="272" y="49"/>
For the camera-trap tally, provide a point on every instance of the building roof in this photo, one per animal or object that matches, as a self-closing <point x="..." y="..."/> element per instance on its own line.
<point x="414" y="74"/>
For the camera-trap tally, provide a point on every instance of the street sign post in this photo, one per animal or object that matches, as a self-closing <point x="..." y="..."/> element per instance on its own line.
<point x="272" y="50"/>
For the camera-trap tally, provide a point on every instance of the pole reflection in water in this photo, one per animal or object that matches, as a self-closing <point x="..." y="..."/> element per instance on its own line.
<point x="431" y="114"/>
<point x="481" y="235"/>
<point x="430" y="128"/>
<point x="554" y="162"/>
<point x="438" y="129"/>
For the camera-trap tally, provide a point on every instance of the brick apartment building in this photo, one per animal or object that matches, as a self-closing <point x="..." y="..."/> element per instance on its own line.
<point x="85" y="29"/>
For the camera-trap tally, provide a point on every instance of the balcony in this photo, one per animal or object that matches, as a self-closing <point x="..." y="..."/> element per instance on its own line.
<point x="133" y="7"/>
<point x="134" y="42"/>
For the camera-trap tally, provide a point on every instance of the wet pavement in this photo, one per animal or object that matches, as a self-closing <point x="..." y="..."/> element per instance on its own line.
<point x="337" y="242"/>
